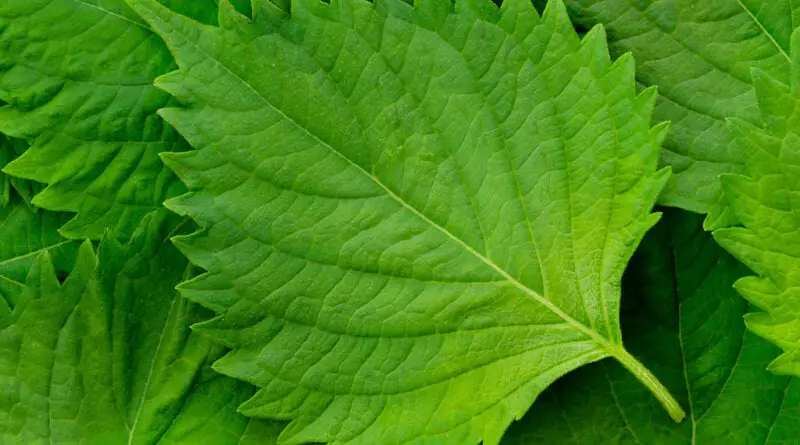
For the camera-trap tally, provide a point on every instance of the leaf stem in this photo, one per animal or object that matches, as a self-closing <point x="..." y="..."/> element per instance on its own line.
<point x="651" y="382"/>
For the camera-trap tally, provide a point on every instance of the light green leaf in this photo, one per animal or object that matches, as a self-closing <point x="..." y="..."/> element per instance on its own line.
<point x="699" y="53"/>
<point x="77" y="78"/>
<point x="108" y="357"/>
<point x="683" y="318"/>
<point x="415" y="219"/>
<point x="767" y="202"/>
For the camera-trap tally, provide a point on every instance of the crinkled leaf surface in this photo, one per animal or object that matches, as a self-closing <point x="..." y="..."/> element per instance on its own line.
<point x="767" y="202"/>
<point x="414" y="219"/>
<point x="108" y="357"/>
<point x="699" y="53"/>
<point x="682" y="316"/>
<point x="77" y="78"/>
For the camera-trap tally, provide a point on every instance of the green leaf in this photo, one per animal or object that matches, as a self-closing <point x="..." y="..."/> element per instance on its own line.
<point x="767" y="202"/>
<point x="77" y="78"/>
<point x="25" y="233"/>
<point x="204" y="11"/>
<point x="682" y="317"/>
<point x="699" y="53"/>
<point x="10" y="149"/>
<point x="108" y="357"/>
<point x="414" y="219"/>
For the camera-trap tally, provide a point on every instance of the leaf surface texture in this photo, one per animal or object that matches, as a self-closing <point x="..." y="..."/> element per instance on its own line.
<point x="414" y="219"/>
<point x="25" y="233"/>
<point x="107" y="357"/>
<point x="699" y="54"/>
<point x="767" y="202"/>
<point x="76" y="76"/>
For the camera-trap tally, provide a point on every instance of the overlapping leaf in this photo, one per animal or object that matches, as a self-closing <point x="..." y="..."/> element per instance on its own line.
<point x="108" y="358"/>
<point x="25" y="233"/>
<point x="77" y="79"/>
<point x="767" y="202"/>
<point x="682" y="316"/>
<point x="699" y="53"/>
<point x="415" y="219"/>
<point x="10" y="149"/>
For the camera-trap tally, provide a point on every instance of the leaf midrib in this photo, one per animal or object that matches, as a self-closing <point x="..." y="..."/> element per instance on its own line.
<point x="35" y="252"/>
<point x="673" y="262"/>
<point x="111" y="13"/>
<point x="514" y="171"/>
<point x="780" y="410"/>
<point x="764" y="30"/>
<point x="602" y="342"/>
<point x="158" y="17"/>
<point x="151" y="372"/>
<point x="703" y="57"/>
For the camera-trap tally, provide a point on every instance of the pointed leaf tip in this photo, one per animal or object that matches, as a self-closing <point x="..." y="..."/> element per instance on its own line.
<point x="333" y="186"/>
<point x="594" y="50"/>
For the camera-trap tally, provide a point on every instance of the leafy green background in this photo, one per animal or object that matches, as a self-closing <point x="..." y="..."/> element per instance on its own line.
<point x="767" y="202"/>
<point x="699" y="53"/>
<point x="76" y="78"/>
<point x="106" y="350"/>
<point x="96" y="348"/>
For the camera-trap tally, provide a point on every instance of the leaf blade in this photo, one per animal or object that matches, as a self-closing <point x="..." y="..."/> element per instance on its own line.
<point x="766" y="203"/>
<point x="313" y="300"/>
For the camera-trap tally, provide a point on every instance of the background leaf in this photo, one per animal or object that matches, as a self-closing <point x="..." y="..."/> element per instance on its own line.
<point x="76" y="76"/>
<point x="767" y="202"/>
<point x="10" y="149"/>
<point x="25" y="233"/>
<point x="699" y="53"/>
<point x="108" y="357"/>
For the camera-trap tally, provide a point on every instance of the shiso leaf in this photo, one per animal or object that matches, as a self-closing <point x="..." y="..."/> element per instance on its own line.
<point x="414" y="219"/>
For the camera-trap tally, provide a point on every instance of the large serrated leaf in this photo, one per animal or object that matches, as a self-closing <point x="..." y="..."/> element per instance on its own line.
<point x="414" y="219"/>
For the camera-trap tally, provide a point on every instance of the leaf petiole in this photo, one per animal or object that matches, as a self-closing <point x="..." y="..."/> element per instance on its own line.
<point x="649" y="380"/>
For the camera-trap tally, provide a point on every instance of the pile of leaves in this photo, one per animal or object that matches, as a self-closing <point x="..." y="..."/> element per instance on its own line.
<point x="351" y="222"/>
